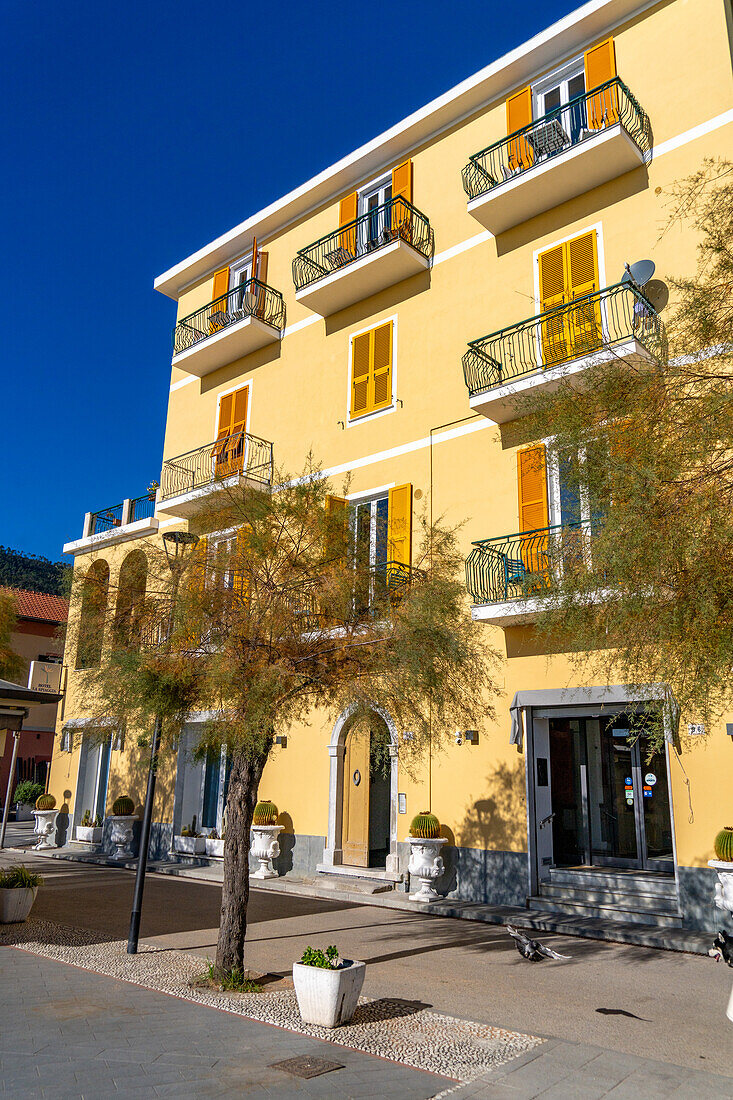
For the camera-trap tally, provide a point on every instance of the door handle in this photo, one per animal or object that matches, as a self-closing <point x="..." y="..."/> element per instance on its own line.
<point x="547" y="820"/>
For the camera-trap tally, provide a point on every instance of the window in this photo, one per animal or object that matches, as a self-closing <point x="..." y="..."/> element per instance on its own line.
<point x="371" y="371"/>
<point x="376" y="202"/>
<point x="568" y="273"/>
<point x="230" y="448"/>
<point x="558" y="94"/>
<point x="379" y="536"/>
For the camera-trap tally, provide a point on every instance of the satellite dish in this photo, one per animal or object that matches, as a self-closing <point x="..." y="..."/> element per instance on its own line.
<point x="657" y="293"/>
<point x="639" y="273"/>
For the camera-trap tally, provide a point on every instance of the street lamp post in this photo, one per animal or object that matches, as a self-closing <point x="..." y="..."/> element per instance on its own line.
<point x="176" y="544"/>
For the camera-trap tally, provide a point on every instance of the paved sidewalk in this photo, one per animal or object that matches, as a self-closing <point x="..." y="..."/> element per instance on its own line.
<point x="67" y="1033"/>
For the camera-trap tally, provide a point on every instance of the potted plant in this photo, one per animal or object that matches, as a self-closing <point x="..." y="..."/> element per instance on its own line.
<point x="25" y="797"/>
<point x="426" y="862"/>
<point x="265" y="832"/>
<point x="18" y="889"/>
<point x="122" y="821"/>
<point x="45" y="814"/>
<point x="723" y="864"/>
<point x="88" y="831"/>
<point x="327" y="986"/>
<point x="152" y="490"/>
<point x="189" y="842"/>
<point x="215" y="844"/>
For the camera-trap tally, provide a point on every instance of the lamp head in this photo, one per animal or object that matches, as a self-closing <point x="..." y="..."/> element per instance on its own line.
<point x="176" y="544"/>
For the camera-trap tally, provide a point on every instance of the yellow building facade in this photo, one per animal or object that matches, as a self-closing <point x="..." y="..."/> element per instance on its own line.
<point x="348" y="319"/>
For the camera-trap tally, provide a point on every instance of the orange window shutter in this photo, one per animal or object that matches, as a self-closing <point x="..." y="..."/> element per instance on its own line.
<point x="399" y="524"/>
<point x="261" y="273"/>
<point x="255" y="258"/>
<point x="221" y="283"/>
<point x="519" y="115"/>
<point x="553" y="295"/>
<point x="600" y="67"/>
<point x="337" y="517"/>
<point x="402" y="189"/>
<point x="582" y="280"/>
<point x="218" y="291"/>
<point x="381" y="379"/>
<point x="360" y="372"/>
<point x="532" y="483"/>
<point x="348" y="208"/>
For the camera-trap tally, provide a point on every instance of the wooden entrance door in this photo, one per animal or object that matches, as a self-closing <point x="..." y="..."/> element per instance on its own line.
<point x="356" y="797"/>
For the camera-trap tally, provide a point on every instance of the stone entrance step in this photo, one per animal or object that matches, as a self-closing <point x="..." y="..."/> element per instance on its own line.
<point x="616" y="895"/>
<point x="352" y="883"/>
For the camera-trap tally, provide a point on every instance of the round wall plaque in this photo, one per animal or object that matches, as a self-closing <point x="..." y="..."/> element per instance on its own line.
<point x="357" y="777"/>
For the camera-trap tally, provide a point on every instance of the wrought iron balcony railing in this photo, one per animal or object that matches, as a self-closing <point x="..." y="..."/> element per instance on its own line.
<point x="527" y="564"/>
<point x="394" y="220"/>
<point x="142" y="507"/>
<point x="587" y="325"/>
<point x="250" y="299"/>
<point x="580" y="120"/>
<point x="106" y="520"/>
<point x="237" y="454"/>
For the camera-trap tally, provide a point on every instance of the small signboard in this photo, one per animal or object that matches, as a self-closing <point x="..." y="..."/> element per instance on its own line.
<point x="45" y="676"/>
<point x="402" y="803"/>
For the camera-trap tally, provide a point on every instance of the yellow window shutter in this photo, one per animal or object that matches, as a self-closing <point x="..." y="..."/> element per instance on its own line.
<point x="600" y="66"/>
<point x="230" y="444"/>
<point x="532" y="483"/>
<point x="402" y="188"/>
<point x="399" y="524"/>
<point x="360" y="371"/>
<point x="518" y="115"/>
<point x="220" y="287"/>
<point x="255" y="258"/>
<point x="261" y="272"/>
<point x="582" y="278"/>
<point x="337" y="517"/>
<point x="382" y="366"/>
<point x="553" y="294"/>
<point x="348" y="208"/>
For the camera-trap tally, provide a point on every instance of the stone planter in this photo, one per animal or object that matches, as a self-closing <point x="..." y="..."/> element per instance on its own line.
<point x="724" y="885"/>
<point x="121" y="827"/>
<point x="24" y="811"/>
<point x="426" y="864"/>
<point x="328" y="997"/>
<point x="45" y="828"/>
<point x="214" y="848"/>
<point x="89" y="834"/>
<point x="15" y="905"/>
<point x="189" y="845"/>
<point x="264" y="849"/>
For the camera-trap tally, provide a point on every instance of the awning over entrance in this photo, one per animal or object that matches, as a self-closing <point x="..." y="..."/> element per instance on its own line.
<point x="591" y="700"/>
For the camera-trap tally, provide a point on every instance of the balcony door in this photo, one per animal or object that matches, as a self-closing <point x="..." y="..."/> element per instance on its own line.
<point x="569" y="304"/>
<point x="558" y="96"/>
<point x="376" y="203"/>
<point x="230" y="448"/>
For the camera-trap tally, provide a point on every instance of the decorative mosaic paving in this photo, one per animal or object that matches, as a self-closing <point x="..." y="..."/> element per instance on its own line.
<point x="399" y="1030"/>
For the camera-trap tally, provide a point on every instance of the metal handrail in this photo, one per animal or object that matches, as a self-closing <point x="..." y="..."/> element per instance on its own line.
<point x="250" y="299"/>
<point x="525" y="564"/>
<point x="589" y="324"/>
<point x="580" y="120"/>
<point x="142" y="507"/>
<point x="396" y="219"/>
<point x="106" y="519"/>
<point x="239" y="454"/>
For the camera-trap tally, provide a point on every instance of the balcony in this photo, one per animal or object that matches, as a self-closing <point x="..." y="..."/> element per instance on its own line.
<point x="376" y="250"/>
<point x="508" y="577"/>
<point x="133" y="518"/>
<point x="235" y="461"/>
<point x="591" y="140"/>
<point x="616" y="323"/>
<point x="233" y="325"/>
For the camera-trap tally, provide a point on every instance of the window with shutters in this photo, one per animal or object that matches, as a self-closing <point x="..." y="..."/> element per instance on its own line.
<point x="560" y="95"/>
<point x="381" y="538"/>
<point x="375" y="202"/>
<point x="569" y="299"/>
<point x="230" y="449"/>
<point x="371" y="370"/>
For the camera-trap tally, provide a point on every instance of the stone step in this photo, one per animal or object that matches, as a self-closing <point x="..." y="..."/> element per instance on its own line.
<point x="608" y="913"/>
<point x="643" y="882"/>
<point x="352" y="883"/>
<point x="615" y="899"/>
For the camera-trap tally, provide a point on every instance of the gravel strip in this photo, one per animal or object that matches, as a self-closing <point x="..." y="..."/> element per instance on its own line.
<point x="392" y="1029"/>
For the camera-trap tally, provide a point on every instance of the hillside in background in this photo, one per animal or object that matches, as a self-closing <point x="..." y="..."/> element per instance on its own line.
<point x="30" y="571"/>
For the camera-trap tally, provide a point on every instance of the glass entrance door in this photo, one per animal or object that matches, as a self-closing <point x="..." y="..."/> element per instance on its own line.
<point x="610" y="799"/>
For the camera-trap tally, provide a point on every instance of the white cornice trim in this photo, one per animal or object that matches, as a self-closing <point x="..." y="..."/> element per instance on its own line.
<point x="563" y="38"/>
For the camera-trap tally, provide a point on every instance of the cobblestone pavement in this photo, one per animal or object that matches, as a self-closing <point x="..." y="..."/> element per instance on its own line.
<point x="70" y="1033"/>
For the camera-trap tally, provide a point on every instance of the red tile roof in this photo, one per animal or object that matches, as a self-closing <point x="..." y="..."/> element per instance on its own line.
<point x="39" y="605"/>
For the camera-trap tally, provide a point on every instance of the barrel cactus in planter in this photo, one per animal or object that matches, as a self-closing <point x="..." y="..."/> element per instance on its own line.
<point x="45" y="815"/>
<point x="426" y="863"/>
<point x="724" y="844"/>
<point x="121" y="833"/>
<point x="265" y="831"/>
<point x="123" y="806"/>
<point x="425" y="825"/>
<point x="265" y="813"/>
<point x="46" y="802"/>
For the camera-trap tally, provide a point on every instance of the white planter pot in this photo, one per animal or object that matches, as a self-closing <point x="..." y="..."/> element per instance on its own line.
<point x="121" y="826"/>
<point x="189" y="845"/>
<point x="45" y="828"/>
<point x="89" y="834"/>
<point x="24" y="811"/>
<point x="724" y="885"/>
<point x="214" y="848"/>
<point x="15" y="905"/>
<point x="328" y="997"/>
<point x="426" y="864"/>
<point x="264" y="849"/>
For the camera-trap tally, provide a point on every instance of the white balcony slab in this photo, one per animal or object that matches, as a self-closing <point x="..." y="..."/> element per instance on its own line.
<point x="196" y="500"/>
<point x="596" y="160"/>
<point x="358" y="280"/>
<point x="507" y="612"/>
<point x="128" y="532"/>
<point x="226" y="346"/>
<point x="502" y="403"/>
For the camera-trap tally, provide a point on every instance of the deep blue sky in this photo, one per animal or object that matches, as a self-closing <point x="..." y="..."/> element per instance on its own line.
<point x="134" y="133"/>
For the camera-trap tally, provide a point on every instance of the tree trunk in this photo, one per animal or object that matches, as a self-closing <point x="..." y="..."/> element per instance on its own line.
<point x="244" y="781"/>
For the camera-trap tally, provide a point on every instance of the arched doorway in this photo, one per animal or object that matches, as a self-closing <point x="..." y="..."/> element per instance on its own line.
<point x="362" y="820"/>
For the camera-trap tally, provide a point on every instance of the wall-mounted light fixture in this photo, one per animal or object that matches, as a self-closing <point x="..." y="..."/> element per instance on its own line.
<point x="471" y="737"/>
<point x="408" y="735"/>
<point x="282" y="740"/>
<point x="459" y="737"/>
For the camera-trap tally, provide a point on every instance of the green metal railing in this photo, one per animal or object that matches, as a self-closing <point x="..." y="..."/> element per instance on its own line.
<point x="396" y="219"/>
<point x="250" y="299"/>
<point x="106" y="519"/>
<point x="515" y="567"/>
<point x="580" y="120"/>
<point x="589" y="324"/>
<point x="238" y="454"/>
